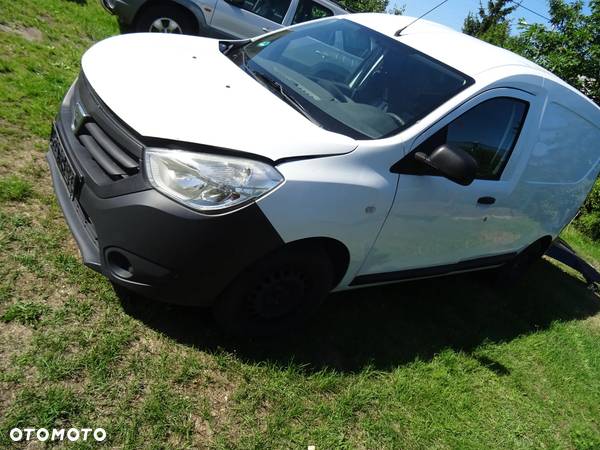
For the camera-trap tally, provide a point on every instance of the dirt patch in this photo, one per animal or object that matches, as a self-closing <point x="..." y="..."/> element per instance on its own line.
<point x="25" y="156"/>
<point x="31" y="34"/>
<point x="593" y="322"/>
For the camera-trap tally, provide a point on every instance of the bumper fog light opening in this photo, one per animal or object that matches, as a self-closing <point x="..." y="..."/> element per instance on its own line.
<point x="119" y="264"/>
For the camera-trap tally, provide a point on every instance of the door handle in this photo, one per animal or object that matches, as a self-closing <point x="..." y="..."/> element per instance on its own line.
<point x="265" y="29"/>
<point x="486" y="200"/>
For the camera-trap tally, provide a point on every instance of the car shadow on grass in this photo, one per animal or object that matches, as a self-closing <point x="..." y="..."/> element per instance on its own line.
<point x="387" y="326"/>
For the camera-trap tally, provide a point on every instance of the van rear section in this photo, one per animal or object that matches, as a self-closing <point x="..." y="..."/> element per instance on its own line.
<point x="565" y="161"/>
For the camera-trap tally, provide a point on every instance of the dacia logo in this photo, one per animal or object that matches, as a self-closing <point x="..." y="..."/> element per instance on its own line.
<point x="79" y="117"/>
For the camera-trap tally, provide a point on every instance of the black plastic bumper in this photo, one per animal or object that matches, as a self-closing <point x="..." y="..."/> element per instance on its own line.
<point x="159" y="248"/>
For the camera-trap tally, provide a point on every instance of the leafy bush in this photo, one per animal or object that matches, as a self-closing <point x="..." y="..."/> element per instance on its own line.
<point x="589" y="224"/>
<point x="588" y="221"/>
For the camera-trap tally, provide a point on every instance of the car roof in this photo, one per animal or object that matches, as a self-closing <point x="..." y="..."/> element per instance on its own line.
<point x="463" y="52"/>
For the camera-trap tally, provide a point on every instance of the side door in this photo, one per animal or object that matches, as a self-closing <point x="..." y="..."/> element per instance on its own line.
<point x="438" y="226"/>
<point x="249" y="18"/>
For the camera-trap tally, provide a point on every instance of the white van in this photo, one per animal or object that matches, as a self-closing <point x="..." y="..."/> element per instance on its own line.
<point x="256" y="176"/>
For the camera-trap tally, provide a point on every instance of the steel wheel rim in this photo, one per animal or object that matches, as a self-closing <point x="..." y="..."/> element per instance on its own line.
<point x="165" y="25"/>
<point x="289" y="286"/>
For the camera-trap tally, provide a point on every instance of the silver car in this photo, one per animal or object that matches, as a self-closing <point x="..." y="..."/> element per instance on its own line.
<point x="229" y="19"/>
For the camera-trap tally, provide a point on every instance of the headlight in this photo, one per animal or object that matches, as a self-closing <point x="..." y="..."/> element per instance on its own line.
<point x="207" y="182"/>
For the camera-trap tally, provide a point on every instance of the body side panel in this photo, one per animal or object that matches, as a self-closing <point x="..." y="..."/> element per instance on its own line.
<point x="344" y="197"/>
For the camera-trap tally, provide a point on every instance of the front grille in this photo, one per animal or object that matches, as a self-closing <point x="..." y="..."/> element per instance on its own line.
<point x="107" y="141"/>
<point x="111" y="158"/>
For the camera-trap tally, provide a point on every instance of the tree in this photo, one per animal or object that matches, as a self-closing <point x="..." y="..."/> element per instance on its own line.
<point x="366" y="5"/>
<point x="373" y="6"/>
<point x="570" y="48"/>
<point x="491" y="24"/>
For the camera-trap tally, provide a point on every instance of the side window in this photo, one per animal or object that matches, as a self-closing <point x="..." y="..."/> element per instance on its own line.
<point x="274" y="10"/>
<point x="489" y="132"/>
<point x="309" y="10"/>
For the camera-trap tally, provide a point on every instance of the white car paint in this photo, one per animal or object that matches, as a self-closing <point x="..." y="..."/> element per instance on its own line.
<point x="196" y="94"/>
<point x="388" y="222"/>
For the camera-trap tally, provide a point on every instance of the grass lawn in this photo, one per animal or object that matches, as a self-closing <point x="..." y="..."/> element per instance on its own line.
<point x="446" y="363"/>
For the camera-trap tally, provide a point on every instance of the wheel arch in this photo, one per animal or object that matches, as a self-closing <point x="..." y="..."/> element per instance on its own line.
<point x="338" y="253"/>
<point x="544" y="243"/>
<point x="186" y="6"/>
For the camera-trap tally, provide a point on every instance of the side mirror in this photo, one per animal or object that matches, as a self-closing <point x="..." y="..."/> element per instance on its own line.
<point x="235" y="2"/>
<point x="452" y="163"/>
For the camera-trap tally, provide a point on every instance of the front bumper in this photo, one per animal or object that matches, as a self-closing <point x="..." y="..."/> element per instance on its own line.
<point x="152" y="245"/>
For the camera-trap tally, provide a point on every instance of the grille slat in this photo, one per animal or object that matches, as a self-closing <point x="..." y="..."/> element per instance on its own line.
<point x="101" y="157"/>
<point x="115" y="151"/>
<point x="106" y="120"/>
<point x="111" y="148"/>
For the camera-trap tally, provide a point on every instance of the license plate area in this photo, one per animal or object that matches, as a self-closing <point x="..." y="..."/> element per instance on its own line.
<point x="65" y="166"/>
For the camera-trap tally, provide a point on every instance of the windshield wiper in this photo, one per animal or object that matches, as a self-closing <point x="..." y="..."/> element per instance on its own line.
<point x="278" y="88"/>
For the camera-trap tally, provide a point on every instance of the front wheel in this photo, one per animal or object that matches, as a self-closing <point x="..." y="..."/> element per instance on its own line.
<point x="165" y="19"/>
<point x="276" y="294"/>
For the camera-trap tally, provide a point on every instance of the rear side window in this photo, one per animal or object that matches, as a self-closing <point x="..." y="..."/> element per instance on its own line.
<point x="309" y="10"/>
<point x="274" y="10"/>
<point x="489" y="132"/>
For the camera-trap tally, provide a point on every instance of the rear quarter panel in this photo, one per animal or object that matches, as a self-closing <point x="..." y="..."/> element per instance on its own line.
<point x="564" y="160"/>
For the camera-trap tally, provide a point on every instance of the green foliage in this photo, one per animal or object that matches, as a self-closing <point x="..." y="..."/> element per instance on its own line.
<point x="592" y="202"/>
<point x="13" y="188"/>
<point x="570" y="49"/>
<point x="24" y="313"/>
<point x="589" y="224"/>
<point x="366" y="5"/>
<point x="372" y="6"/>
<point x="490" y="24"/>
<point x="588" y="221"/>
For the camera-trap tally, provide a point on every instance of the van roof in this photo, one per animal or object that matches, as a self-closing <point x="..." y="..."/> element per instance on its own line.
<point x="465" y="53"/>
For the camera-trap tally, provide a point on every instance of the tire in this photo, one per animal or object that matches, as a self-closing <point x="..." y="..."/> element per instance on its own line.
<point x="166" y="19"/>
<point x="276" y="294"/>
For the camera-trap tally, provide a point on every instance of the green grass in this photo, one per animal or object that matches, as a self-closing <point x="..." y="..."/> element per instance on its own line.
<point x="446" y="363"/>
<point x="24" y="313"/>
<point x="13" y="188"/>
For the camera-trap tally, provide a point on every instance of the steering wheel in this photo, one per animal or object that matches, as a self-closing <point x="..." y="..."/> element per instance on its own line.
<point x="332" y="88"/>
<point x="397" y="119"/>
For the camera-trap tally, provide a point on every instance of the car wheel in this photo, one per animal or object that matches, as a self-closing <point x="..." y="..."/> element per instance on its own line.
<point x="276" y="294"/>
<point x="165" y="19"/>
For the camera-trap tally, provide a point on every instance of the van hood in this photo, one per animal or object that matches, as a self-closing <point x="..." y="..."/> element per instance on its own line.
<point x="183" y="88"/>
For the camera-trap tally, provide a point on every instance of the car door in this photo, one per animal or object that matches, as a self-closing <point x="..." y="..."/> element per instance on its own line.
<point x="249" y="18"/>
<point x="438" y="226"/>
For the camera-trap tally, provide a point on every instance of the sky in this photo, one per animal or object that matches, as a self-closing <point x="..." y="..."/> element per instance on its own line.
<point x="453" y="12"/>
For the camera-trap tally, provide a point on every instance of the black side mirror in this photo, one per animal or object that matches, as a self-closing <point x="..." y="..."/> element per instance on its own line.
<point x="452" y="163"/>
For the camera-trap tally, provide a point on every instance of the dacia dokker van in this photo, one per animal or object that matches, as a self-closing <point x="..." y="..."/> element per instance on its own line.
<point x="256" y="176"/>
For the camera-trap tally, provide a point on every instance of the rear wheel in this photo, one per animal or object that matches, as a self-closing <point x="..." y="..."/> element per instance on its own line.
<point x="276" y="294"/>
<point x="165" y="19"/>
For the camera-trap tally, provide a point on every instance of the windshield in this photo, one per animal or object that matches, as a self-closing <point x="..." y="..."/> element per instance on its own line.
<point x="350" y="79"/>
